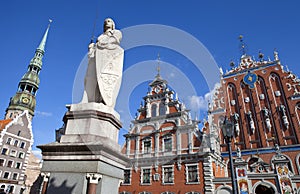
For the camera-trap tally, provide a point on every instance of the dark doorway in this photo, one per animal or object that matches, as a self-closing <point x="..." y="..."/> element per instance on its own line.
<point x="262" y="189"/>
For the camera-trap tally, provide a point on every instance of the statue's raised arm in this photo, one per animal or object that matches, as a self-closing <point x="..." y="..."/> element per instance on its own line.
<point x="104" y="73"/>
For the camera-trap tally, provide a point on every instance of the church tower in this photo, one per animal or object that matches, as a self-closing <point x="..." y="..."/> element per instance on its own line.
<point x="24" y="99"/>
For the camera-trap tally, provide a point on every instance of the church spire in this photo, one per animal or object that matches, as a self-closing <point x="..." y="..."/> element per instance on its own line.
<point x="24" y="99"/>
<point x="43" y="42"/>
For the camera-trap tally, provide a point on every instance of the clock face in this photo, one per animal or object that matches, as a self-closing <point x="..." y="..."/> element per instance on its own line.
<point x="156" y="89"/>
<point x="25" y="100"/>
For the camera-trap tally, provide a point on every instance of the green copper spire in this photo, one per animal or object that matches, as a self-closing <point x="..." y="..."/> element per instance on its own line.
<point x="24" y="99"/>
<point x="43" y="42"/>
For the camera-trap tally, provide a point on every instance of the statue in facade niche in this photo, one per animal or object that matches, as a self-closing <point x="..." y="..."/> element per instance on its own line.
<point x="105" y="64"/>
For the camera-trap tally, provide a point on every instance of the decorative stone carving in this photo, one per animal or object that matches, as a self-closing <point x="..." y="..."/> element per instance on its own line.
<point x="93" y="177"/>
<point x="236" y="117"/>
<point x="251" y="122"/>
<point x="266" y="113"/>
<point x="104" y="72"/>
<point x="284" y="117"/>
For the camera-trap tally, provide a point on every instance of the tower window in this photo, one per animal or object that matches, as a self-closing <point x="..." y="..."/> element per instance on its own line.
<point x="33" y="91"/>
<point x="28" y="89"/>
<point x="22" y="88"/>
<point x="19" y="133"/>
<point x="153" y="110"/>
<point x="162" y="109"/>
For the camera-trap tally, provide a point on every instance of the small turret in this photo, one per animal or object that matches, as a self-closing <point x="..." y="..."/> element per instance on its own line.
<point x="24" y="99"/>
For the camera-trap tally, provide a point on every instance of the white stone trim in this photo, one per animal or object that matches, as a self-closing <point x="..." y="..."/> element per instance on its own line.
<point x="45" y="176"/>
<point x="94" y="178"/>
<point x="264" y="183"/>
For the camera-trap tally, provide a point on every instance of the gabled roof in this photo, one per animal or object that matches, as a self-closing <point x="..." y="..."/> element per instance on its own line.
<point x="3" y="123"/>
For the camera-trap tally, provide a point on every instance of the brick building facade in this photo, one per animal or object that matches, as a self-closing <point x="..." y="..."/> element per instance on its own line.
<point x="164" y="145"/>
<point x="262" y="100"/>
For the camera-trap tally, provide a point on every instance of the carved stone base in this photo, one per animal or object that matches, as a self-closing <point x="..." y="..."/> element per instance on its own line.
<point x="88" y="147"/>
<point x="70" y="163"/>
<point x="90" y="122"/>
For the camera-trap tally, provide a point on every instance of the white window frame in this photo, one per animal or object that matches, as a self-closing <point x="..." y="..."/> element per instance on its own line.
<point x="23" y="142"/>
<point x="18" y="163"/>
<point x="143" y="145"/>
<point x="11" y="140"/>
<point x="8" y="174"/>
<point x="130" y="175"/>
<point x="6" y="153"/>
<point x="11" y="153"/>
<point x="12" y="177"/>
<point x="187" y="173"/>
<point x="18" y="142"/>
<point x="163" y="143"/>
<point x="4" y="160"/>
<point x="163" y="175"/>
<point x="23" y="155"/>
<point x="12" y="164"/>
<point x="142" y="175"/>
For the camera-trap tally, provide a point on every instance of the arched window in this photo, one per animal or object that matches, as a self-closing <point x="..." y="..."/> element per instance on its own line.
<point x="162" y="109"/>
<point x="153" y="110"/>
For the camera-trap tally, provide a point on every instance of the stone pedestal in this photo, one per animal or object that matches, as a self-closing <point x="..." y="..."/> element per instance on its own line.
<point x="87" y="159"/>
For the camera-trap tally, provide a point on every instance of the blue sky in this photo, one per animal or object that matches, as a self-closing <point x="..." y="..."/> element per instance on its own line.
<point x="265" y="25"/>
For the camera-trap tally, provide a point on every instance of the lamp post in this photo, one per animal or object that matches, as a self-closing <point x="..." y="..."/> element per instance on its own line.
<point x="227" y="130"/>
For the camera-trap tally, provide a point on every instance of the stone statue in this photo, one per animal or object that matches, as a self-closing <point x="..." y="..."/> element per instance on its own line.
<point x="105" y="64"/>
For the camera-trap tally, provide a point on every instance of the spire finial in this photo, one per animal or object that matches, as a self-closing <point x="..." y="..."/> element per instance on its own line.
<point x="158" y="64"/>
<point x="243" y="46"/>
<point x="43" y="42"/>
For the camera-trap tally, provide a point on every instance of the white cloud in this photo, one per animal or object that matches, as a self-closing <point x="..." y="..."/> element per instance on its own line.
<point x="44" y="114"/>
<point x="197" y="103"/>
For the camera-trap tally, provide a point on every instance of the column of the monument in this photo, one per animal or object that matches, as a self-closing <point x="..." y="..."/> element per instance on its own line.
<point x="93" y="180"/>
<point x="45" y="177"/>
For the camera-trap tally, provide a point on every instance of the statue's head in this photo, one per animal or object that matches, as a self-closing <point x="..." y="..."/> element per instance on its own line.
<point x="108" y="24"/>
